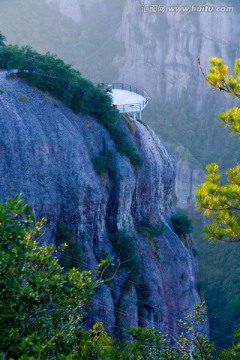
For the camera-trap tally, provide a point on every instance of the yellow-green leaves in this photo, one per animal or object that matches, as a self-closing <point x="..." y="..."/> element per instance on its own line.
<point x="232" y="119"/>
<point x="41" y="306"/>
<point x="221" y="203"/>
<point x="237" y="67"/>
<point x="219" y="79"/>
<point x="217" y="73"/>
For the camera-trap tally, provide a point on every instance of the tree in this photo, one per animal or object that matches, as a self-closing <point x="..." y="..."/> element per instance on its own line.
<point x="182" y="225"/>
<point x="2" y="39"/>
<point x="41" y="306"/>
<point x="220" y="201"/>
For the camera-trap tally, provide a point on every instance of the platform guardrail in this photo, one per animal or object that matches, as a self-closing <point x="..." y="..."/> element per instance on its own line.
<point x="127" y="108"/>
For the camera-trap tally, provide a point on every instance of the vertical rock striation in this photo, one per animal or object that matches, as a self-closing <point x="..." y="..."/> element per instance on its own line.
<point x="188" y="177"/>
<point x="162" y="48"/>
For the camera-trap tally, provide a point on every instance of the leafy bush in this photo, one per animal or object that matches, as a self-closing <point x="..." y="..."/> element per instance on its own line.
<point x="48" y="73"/>
<point x="2" y="39"/>
<point x="150" y="232"/>
<point x="72" y="254"/>
<point x="126" y="249"/>
<point x="182" y="225"/>
<point x="104" y="164"/>
<point x="23" y="98"/>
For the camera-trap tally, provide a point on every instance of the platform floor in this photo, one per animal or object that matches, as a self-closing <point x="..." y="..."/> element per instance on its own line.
<point x="123" y="97"/>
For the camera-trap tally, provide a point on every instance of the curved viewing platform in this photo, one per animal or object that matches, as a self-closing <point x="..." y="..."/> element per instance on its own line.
<point x="128" y="99"/>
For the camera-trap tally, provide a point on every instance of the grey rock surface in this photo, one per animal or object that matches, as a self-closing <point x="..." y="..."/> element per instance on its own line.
<point x="162" y="48"/>
<point x="46" y="151"/>
<point x="188" y="177"/>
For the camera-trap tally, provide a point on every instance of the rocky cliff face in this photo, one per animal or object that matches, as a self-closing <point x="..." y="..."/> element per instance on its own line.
<point x="188" y="177"/>
<point x="46" y="153"/>
<point x="162" y="48"/>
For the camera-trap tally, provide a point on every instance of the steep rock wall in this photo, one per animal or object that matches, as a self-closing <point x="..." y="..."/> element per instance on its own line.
<point x="188" y="177"/>
<point x="46" y="153"/>
<point x="162" y="48"/>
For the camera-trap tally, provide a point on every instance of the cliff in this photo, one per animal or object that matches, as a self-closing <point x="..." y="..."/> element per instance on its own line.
<point x="161" y="49"/>
<point x="188" y="177"/>
<point x="46" y="153"/>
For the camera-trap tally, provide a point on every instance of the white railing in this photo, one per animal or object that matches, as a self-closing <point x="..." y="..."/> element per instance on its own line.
<point x="132" y="107"/>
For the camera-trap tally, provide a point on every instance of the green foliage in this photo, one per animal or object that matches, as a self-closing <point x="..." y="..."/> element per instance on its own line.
<point x="96" y="344"/>
<point x="126" y="249"/>
<point x="192" y="344"/>
<point x="146" y="344"/>
<point x="221" y="291"/>
<point x="23" y="98"/>
<point x="234" y="352"/>
<point x="221" y="202"/>
<point x="2" y="39"/>
<point x="41" y="307"/>
<point x="104" y="164"/>
<point x="219" y="79"/>
<point x="49" y="73"/>
<point x="182" y="225"/>
<point x="150" y="232"/>
<point x="71" y="251"/>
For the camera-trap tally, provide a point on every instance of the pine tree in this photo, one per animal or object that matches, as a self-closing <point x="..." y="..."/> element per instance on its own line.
<point x="220" y="201"/>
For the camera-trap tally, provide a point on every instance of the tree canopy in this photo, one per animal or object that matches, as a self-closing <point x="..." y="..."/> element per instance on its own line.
<point x="41" y="307"/>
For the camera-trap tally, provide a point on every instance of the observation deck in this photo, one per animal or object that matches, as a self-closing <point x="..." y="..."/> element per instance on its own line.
<point x="128" y="99"/>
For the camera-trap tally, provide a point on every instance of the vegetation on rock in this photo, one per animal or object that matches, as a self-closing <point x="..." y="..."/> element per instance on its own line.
<point x="104" y="164"/>
<point x="182" y="225"/>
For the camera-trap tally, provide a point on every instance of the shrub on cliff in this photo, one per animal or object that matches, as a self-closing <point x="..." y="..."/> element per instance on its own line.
<point x="126" y="249"/>
<point x="104" y="164"/>
<point x="2" y="39"/>
<point x="182" y="225"/>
